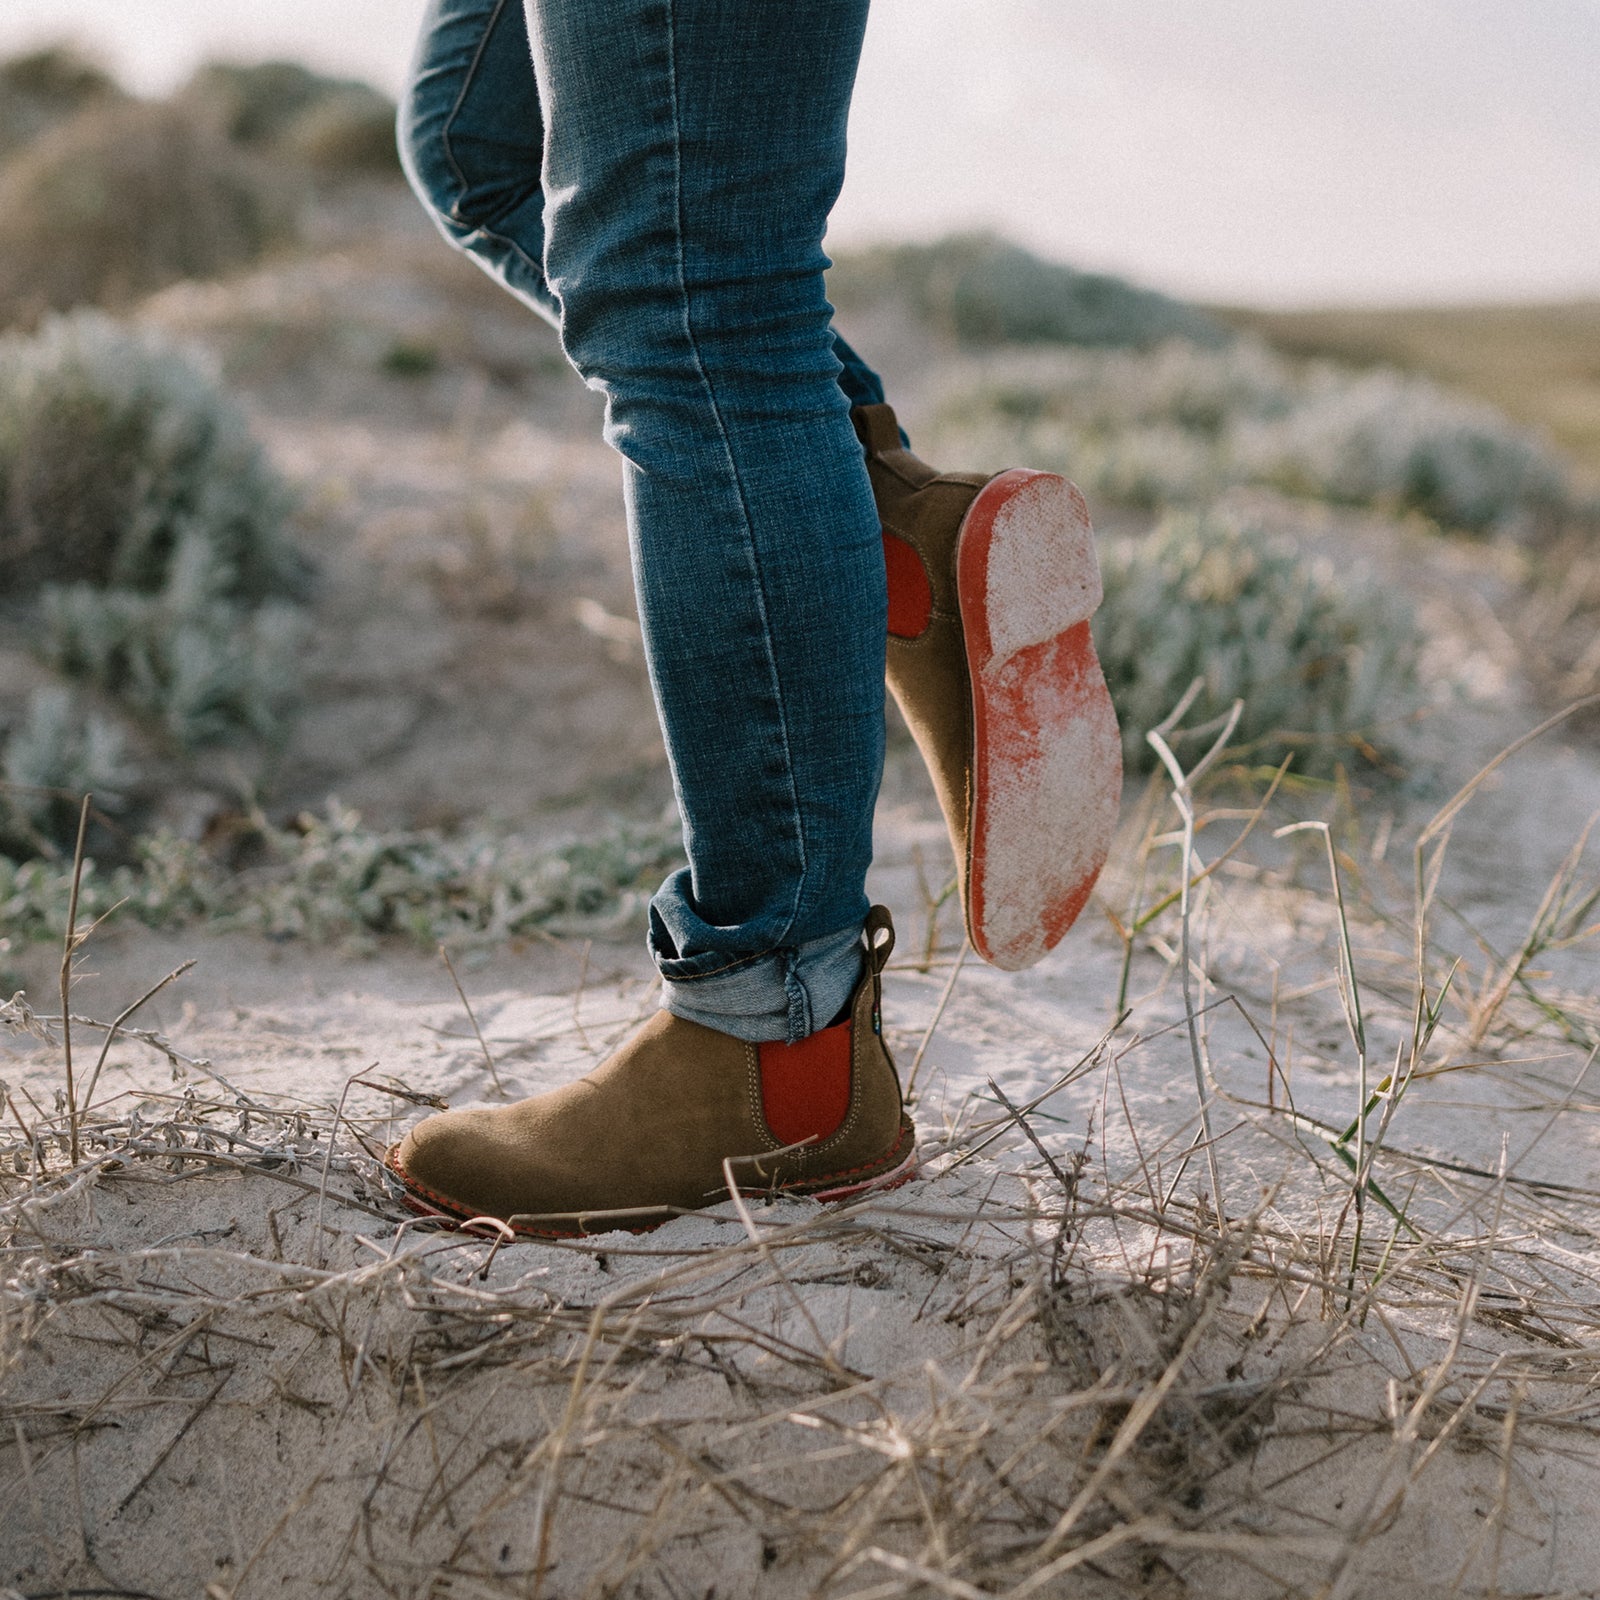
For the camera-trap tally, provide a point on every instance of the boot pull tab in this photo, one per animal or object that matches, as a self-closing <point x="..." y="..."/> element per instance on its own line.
<point x="879" y="932"/>
<point x="876" y="428"/>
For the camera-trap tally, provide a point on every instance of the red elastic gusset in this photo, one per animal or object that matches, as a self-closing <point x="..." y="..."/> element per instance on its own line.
<point x="805" y="1087"/>
<point x="910" y="592"/>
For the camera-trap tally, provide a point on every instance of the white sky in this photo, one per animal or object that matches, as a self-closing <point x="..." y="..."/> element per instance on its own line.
<point x="1290" y="151"/>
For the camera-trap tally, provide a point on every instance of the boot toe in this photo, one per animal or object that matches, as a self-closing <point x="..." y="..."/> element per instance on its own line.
<point x="646" y="1134"/>
<point x="447" y="1161"/>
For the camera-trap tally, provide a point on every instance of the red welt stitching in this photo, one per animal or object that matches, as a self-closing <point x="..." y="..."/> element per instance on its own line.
<point x="454" y="1209"/>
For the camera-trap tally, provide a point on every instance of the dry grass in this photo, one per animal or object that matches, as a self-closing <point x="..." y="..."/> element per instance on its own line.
<point x="1063" y="1365"/>
<point x="1252" y="1347"/>
<point x="1558" y="626"/>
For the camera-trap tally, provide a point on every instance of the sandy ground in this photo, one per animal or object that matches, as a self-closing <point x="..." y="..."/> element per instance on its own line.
<point x="1047" y="1367"/>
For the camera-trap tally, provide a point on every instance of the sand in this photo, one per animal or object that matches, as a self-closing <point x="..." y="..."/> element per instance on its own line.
<point x="939" y="1391"/>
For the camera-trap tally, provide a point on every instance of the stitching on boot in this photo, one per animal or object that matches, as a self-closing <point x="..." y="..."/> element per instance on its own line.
<point x="882" y="1163"/>
<point x="455" y="1207"/>
<point x="857" y="1093"/>
<point x="752" y="1072"/>
<point x="850" y="1119"/>
<point x="453" y="1211"/>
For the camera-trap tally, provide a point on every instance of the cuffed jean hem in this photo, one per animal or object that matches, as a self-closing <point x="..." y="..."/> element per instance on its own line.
<point x="786" y="995"/>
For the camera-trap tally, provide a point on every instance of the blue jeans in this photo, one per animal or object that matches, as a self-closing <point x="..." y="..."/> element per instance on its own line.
<point x="654" y="178"/>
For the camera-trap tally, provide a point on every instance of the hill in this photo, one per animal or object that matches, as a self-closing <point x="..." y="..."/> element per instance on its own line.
<point x="1540" y="363"/>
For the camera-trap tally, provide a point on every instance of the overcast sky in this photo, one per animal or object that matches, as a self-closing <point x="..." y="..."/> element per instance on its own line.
<point x="1291" y="151"/>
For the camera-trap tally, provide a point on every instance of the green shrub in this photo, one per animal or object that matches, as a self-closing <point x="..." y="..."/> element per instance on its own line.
<point x="1325" y="665"/>
<point x="122" y="199"/>
<point x="59" y="754"/>
<point x="142" y="523"/>
<point x="254" y="102"/>
<point x="983" y="290"/>
<point x="1179" y="424"/>
<point x="203" y="667"/>
<point x="334" y="124"/>
<point x="43" y="87"/>
<point x="410" y="358"/>
<point x="1392" y="439"/>
<point x="335" y="879"/>
<point x="114" y="450"/>
<point x="330" y="879"/>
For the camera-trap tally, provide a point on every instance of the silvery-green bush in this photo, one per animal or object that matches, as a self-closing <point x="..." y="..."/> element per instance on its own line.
<point x="334" y="879"/>
<point x="331" y="879"/>
<point x="334" y="124"/>
<point x="144" y="529"/>
<point x="59" y="753"/>
<point x="202" y="666"/>
<point x="1396" y="440"/>
<point x="42" y="87"/>
<point x="1179" y="424"/>
<point x="1325" y="663"/>
<point x="114" y="448"/>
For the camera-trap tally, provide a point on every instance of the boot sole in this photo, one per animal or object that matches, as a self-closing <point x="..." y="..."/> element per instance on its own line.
<point x="1047" y="753"/>
<point x="901" y="1168"/>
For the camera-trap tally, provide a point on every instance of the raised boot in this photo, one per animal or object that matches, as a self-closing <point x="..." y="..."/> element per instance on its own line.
<point x="645" y="1136"/>
<point x="992" y="582"/>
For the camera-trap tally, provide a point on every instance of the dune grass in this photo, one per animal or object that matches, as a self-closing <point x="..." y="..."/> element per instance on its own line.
<point x="1059" y="1366"/>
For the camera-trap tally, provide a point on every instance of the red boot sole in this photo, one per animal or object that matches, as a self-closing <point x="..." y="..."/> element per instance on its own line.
<point x="1047" y="753"/>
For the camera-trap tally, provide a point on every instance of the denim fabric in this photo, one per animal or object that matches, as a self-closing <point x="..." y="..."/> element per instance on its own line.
<point x="654" y="177"/>
<point x="816" y="981"/>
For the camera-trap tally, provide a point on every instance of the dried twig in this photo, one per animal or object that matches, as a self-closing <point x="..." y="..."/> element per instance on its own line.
<point x="69" y="948"/>
<point x="116" y="1026"/>
<point x="1182" y="797"/>
<point x="483" y="1044"/>
<point x="933" y="1023"/>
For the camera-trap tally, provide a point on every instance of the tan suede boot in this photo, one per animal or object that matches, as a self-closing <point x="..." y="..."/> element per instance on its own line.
<point x="992" y="581"/>
<point x="644" y="1136"/>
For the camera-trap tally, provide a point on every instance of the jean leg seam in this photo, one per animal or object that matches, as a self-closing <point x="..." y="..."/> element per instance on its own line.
<point x="468" y="78"/>
<point x="727" y="450"/>
<point x="799" y="1021"/>
<point x="484" y="229"/>
<point x="536" y="267"/>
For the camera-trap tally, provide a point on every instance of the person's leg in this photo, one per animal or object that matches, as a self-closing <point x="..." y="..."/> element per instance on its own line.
<point x="691" y="152"/>
<point x="693" y="149"/>
<point x="862" y="386"/>
<point x="472" y="130"/>
<point x="472" y="143"/>
<point x="471" y="137"/>
<point x="683" y="156"/>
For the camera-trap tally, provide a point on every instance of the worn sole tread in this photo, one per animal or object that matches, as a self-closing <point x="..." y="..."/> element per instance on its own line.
<point x="1047" y="752"/>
